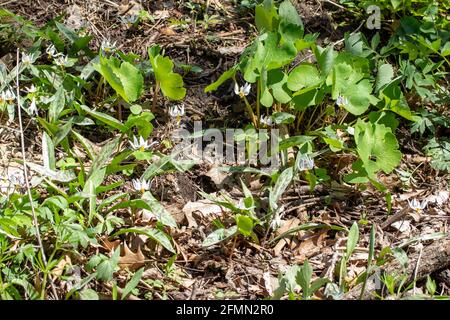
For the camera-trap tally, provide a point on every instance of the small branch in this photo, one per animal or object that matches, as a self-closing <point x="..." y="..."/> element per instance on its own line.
<point x="334" y="4"/>
<point x="155" y="97"/>
<point x="25" y="172"/>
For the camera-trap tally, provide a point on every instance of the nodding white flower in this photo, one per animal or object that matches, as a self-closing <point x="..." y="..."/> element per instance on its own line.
<point x="417" y="206"/>
<point x="33" y="108"/>
<point x="243" y="90"/>
<point x="108" y="46"/>
<point x="342" y="101"/>
<point x="52" y="52"/>
<point x="267" y="121"/>
<point x="130" y="20"/>
<point x="31" y="89"/>
<point x="140" y="144"/>
<point x="305" y="163"/>
<point x="276" y="222"/>
<point x="241" y="204"/>
<point x="177" y="112"/>
<point x="27" y="59"/>
<point x="351" y="131"/>
<point x="141" y="186"/>
<point x="7" y="96"/>
<point x="61" y="60"/>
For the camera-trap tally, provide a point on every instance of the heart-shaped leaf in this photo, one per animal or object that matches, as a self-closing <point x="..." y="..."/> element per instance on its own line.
<point x="171" y="83"/>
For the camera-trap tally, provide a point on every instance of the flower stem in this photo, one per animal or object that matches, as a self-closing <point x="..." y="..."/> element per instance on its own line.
<point x="258" y="96"/>
<point x="250" y="111"/>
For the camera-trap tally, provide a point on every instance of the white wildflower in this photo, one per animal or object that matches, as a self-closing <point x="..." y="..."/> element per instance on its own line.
<point x="32" y="109"/>
<point x="141" y="186"/>
<point x="108" y="46"/>
<point x="52" y="52"/>
<point x="27" y="59"/>
<point x="7" y="96"/>
<point x="342" y="101"/>
<point x="177" y="112"/>
<point x="17" y="179"/>
<point x="130" y="20"/>
<point x="276" y="222"/>
<point x="305" y="163"/>
<point x="31" y="89"/>
<point x="417" y="206"/>
<point x="267" y="121"/>
<point x="243" y="90"/>
<point x="139" y="144"/>
<point x="61" y="60"/>
<point x="351" y="131"/>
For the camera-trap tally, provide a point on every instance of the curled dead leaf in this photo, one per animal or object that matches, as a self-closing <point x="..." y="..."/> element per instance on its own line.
<point x="129" y="259"/>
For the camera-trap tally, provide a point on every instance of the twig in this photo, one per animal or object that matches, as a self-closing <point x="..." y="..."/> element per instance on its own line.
<point x="417" y="267"/>
<point x="8" y="128"/>
<point x="334" y="4"/>
<point x="25" y="171"/>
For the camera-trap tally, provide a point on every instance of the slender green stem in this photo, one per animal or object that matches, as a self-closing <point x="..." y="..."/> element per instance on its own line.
<point x="250" y="112"/>
<point x="308" y="127"/>
<point x="299" y="120"/>
<point x="258" y="96"/>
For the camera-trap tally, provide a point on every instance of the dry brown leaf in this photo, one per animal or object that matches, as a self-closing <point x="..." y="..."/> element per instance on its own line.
<point x="59" y="268"/>
<point x="129" y="259"/>
<point x="292" y="223"/>
<point x="167" y="31"/>
<point x="311" y="245"/>
<point x="217" y="176"/>
<point x="203" y="208"/>
<point x="108" y="245"/>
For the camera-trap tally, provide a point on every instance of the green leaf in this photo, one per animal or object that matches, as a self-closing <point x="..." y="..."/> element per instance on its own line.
<point x="430" y="285"/>
<point x="325" y="59"/>
<point x="282" y="183"/>
<point x="68" y="33"/>
<point x="123" y="77"/>
<point x="303" y="278"/>
<point x="89" y="294"/>
<point x="359" y="97"/>
<point x="395" y="101"/>
<point x="132" y="283"/>
<point x="244" y="224"/>
<point x="224" y="77"/>
<point x="377" y="147"/>
<point x="401" y="256"/>
<point x="105" y="269"/>
<point x="87" y="145"/>
<point x="352" y="241"/>
<point x="107" y="119"/>
<point x="265" y="16"/>
<point x="303" y="76"/>
<point x="269" y="55"/>
<point x="283" y="118"/>
<point x="104" y="155"/>
<point x="136" y="109"/>
<point x="295" y="141"/>
<point x="384" y="76"/>
<point x="288" y="13"/>
<point x="317" y="284"/>
<point x="155" y="234"/>
<point x="63" y="131"/>
<point x="57" y="105"/>
<point x="219" y="235"/>
<point x="171" y="83"/>
<point x="155" y="208"/>
<point x="48" y="152"/>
